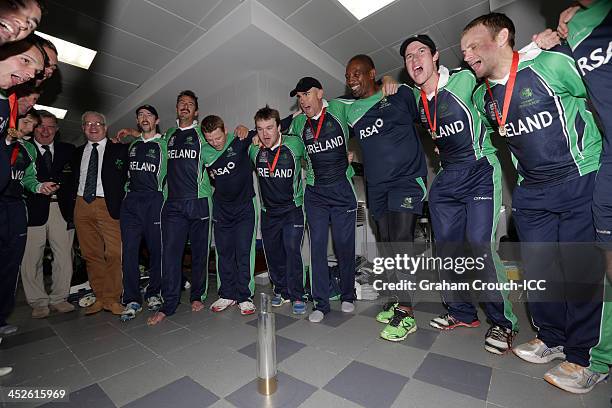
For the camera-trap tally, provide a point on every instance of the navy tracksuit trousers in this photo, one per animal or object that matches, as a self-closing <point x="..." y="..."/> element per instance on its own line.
<point x="464" y="203"/>
<point x="182" y="220"/>
<point x="548" y="221"/>
<point x="336" y="205"/>
<point x="235" y="229"/>
<point x="13" y="235"/>
<point x="141" y="219"/>
<point x="282" y="234"/>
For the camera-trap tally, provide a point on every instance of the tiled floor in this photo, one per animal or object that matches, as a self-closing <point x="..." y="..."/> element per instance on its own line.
<point x="208" y="360"/>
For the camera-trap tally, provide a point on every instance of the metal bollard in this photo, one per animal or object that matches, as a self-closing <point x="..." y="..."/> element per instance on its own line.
<point x="267" y="382"/>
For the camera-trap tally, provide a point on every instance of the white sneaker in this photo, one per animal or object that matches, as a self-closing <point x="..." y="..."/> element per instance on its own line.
<point x="348" y="307"/>
<point x="247" y="308"/>
<point x="154" y="303"/>
<point x="316" y="316"/>
<point x="221" y="304"/>
<point x="5" y="370"/>
<point x="536" y="351"/>
<point x="573" y="378"/>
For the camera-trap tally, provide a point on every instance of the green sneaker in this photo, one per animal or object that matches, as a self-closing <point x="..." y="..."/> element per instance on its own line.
<point x="401" y="325"/>
<point x="387" y="312"/>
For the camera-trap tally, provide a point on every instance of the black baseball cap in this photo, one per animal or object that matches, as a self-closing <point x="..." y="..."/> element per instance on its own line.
<point x="423" y="39"/>
<point x="304" y="85"/>
<point x="149" y="108"/>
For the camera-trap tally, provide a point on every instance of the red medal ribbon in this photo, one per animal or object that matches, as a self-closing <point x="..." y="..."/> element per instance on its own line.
<point x="276" y="156"/>
<point x="13" y="110"/>
<point x="432" y="126"/>
<point x="508" y="95"/>
<point x="319" y="126"/>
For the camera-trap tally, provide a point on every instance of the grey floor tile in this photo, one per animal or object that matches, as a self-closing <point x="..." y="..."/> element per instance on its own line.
<point x="435" y="308"/>
<point x="164" y="343"/>
<point x="120" y="360"/>
<point x="73" y="333"/>
<point x="418" y="394"/>
<point x="284" y="348"/>
<point x="448" y="372"/>
<point x="324" y="399"/>
<point x="91" y="397"/>
<point x="371" y="311"/>
<point x="212" y="365"/>
<point x="290" y="394"/>
<point x="105" y="345"/>
<point x="144" y="331"/>
<point x="305" y="332"/>
<point x="314" y="366"/>
<point x="518" y="391"/>
<point x="140" y="381"/>
<point x="182" y="393"/>
<point x="367" y="385"/>
<point x="281" y="321"/>
<point x="422" y="339"/>
<point x="351" y="338"/>
<point x="40" y="365"/>
<point x="72" y="378"/>
<point x="188" y="317"/>
<point x="59" y="318"/>
<point x="24" y="352"/>
<point x="222" y="404"/>
<point x="335" y="318"/>
<point x="20" y="338"/>
<point x="233" y="334"/>
<point x="510" y="362"/>
<point x="464" y="344"/>
<point x="394" y="357"/>
<point x="600" y="396"/>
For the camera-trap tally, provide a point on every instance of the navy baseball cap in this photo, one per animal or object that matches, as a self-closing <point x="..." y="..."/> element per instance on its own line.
<point x="149" y="108"/>
<point x="304" y="85"/>
<point x="423" y="39"/>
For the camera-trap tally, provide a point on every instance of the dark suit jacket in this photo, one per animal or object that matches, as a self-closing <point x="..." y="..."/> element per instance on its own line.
<point x="61" y="172"/>
<point x="114" y="174"/>
<point x="5" y="169"/>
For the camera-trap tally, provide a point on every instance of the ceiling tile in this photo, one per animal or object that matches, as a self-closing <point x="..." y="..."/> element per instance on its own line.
<point x="449" y="58"/>
<point x="320" y="20"/>
<point x="190" y="38"/>
<point x="107" y="11"/>
<point x="451" y="28"/>
<point x="386" y="61"/>
<point x="283" y="8"/>
<point x="442" y="9"/>
<point x="397" y="21"/>
<point x="192" y="10"/>
<point x="110" y="65"/>
<point x="105" y="84"/>
<point x="433" y="32"/>
<point x="351" y="42"/>
<point x="153" y="23"/>
<point x="216" y="14"/>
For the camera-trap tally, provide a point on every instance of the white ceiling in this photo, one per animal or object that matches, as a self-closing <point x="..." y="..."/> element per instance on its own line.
<point x="151" y="49"/>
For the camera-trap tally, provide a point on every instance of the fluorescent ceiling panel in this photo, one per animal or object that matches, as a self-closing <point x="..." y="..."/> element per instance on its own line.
<point x="71" y="53"/>
<point x="363" y="8"/>
<point x="59" y="113"/>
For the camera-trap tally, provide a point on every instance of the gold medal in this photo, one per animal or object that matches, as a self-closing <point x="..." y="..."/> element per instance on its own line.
<point x="433" y="134"/>
<point x="502" y="131"/>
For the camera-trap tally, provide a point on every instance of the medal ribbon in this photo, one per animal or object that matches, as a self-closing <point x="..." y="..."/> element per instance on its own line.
<point x="13" y="109"/>
<point x="508" y="95"/>
<point x="319" y="126"/>
<point x="275" y="161"/>
<point x="433" y="126"/>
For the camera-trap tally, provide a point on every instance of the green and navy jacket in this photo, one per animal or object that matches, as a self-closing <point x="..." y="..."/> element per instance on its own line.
<point x="186" y="177"/>
<point x="461" y="136"/>
<point x="231" y="169"/>
<point x="23" y="168"/>
<point x="385" y="129"/>
<point x="326" y="158"/>
<point x="281" y="189"/>
<point x="148" y="162"/>
<point x="551" y="134"/>
<point x="590" y="38"/>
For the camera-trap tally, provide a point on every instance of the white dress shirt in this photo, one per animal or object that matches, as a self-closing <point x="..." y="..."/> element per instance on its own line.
<point x="42" y="151"/>
<point x="85" y="163"/>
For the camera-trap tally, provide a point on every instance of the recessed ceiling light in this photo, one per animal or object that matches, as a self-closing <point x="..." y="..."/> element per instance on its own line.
<point x="59" y="113"/>
<point x="363" y="8"/>
<point x="71" y="53"/>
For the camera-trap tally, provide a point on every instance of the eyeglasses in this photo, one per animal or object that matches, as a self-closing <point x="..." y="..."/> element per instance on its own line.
<point x="96" y="124"/>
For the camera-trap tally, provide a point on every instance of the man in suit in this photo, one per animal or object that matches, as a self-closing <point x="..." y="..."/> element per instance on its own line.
<point x="100" y="173"/>
<point x="49" y="218"/>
